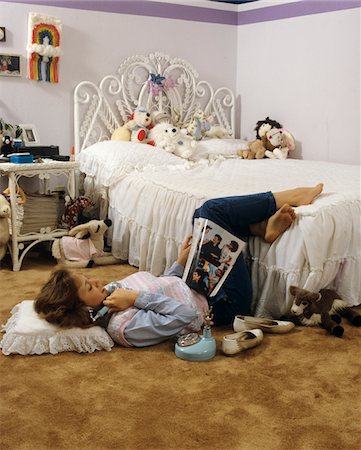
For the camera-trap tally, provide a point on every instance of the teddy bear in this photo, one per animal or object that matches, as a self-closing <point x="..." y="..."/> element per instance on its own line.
<point x="278" y="143"/>
<point x="258" y="147"/>
<point x="84" y="246"/>
<point x="139" y="125"/>
<point x="170" y="138"/>
<point x="322" y="308"/>
<point x="255" y="150"/>
<point x="4" y="225"/>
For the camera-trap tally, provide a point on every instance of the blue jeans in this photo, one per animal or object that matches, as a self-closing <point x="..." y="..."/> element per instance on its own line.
<point x="235" y="214"/>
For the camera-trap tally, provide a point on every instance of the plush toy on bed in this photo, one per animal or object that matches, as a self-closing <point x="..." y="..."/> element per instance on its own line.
<point x="322" y="308"/>
<point x="257" y="148"/>
<point x="201" y="126"/>
<point x="171" y="139"/>
<point x="136" y="129"/>
<point x="279" y="143"/>
<point x="84" y="246"/>
<point x="4" y="225"/>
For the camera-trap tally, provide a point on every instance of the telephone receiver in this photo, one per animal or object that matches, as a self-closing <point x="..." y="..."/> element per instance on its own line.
<point x="195" y="347"/>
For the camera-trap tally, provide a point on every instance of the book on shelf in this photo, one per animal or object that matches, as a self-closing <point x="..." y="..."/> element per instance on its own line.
<point x="211" y="258"/>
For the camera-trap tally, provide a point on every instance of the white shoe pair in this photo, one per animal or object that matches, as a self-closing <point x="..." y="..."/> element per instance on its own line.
<point x="249" y="333"/>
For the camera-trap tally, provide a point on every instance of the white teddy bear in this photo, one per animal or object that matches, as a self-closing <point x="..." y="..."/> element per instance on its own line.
<point x="171" y="139"/>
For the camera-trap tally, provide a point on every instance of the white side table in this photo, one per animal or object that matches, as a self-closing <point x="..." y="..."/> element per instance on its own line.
<point x="22" y="243"/>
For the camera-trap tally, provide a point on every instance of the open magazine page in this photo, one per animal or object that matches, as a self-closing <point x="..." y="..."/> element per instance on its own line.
<point x="212" y="256"/>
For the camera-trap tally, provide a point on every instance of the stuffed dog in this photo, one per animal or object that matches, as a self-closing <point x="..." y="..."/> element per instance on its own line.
<point x="84" y="246"/>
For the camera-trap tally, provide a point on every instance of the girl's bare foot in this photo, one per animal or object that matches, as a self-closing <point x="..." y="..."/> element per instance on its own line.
<point x="298" y="196"/>
<point x="279" y="222"/>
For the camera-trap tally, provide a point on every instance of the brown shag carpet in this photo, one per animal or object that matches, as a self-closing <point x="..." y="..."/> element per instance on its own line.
<point x="295" y="391"/>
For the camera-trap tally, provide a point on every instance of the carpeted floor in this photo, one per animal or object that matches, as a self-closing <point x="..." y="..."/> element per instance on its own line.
<point x="295" y="391"/>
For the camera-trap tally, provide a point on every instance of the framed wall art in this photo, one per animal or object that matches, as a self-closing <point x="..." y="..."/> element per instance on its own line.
<point x="30" y="135"/>
<point x="10" y="65"/>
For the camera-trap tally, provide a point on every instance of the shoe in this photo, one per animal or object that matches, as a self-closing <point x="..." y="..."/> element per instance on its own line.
<point x="242" y="323"/>
<point x="237" y="342"/>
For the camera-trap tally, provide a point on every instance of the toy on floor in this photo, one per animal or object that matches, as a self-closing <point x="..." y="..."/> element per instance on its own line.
<point x="170" y="138"/>
<point x="322" y="308"/>
<point x="84" y="246"/>
<point x="4" y="225"/>
<point x="20" y="195"/>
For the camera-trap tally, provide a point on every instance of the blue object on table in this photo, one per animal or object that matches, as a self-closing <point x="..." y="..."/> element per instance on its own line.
<point x="21" y="159"/>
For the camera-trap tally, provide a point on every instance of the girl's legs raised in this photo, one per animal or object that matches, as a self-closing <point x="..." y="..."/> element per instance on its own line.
<point x="297" y="196"/>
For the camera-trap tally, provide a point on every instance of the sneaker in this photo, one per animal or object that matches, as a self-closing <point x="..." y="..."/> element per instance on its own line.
<point x="242" y="323"/>
<point x="237" y="342"/>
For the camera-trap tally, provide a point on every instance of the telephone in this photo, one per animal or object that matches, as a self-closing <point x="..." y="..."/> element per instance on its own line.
<point x="195" y="347"/>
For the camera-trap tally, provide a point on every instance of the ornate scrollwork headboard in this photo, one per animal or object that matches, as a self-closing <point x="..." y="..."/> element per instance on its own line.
<point x="156" y="82"/>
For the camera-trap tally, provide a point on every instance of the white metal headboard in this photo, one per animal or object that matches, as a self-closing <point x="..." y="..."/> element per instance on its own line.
<point x="156" y="82"/>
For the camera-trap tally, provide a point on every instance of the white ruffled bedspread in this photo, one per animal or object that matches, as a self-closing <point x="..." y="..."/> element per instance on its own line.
<point x="152" y="206"/>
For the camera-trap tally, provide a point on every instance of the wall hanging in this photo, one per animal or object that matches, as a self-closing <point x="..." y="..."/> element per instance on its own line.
<point x="44" y="47"/>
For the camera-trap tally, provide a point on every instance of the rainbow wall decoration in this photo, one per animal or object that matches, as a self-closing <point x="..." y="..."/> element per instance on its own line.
<point x="44" y="47"/>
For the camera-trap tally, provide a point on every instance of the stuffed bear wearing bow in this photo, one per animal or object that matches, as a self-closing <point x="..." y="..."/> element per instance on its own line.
<point x="84" y="246"/>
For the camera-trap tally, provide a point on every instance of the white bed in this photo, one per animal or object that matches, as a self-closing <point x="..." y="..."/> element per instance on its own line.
<point x="152" y="194"/>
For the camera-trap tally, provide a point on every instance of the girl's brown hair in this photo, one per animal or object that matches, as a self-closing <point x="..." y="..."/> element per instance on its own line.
<point x="59" y="302"/>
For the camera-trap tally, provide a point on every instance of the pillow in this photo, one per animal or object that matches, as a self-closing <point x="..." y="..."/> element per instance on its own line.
<point x="108" y="161"/>
<point x="211" y="148"/>
<point x="28" y="334"/>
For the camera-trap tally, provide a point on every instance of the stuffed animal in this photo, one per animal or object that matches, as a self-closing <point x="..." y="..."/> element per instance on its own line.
<point x="7" y="145"/>
<point x="201" y="126"/>
<point x="255" y="150"/>
<point x="139" y="124"/>
<point x="169" y="137"/>
<point x="258" y="147"/>
<point x="20" y="195"/>
<point x="74" y="210"/>
<point x="278" y="142"/>
<point x="322" y="308"/>
<point x="121" y="134"/>
<point x="84" y="246"/>
<point x="4" y="225"/>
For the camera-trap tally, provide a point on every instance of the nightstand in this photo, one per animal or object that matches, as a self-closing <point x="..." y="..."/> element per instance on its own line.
<point x="21" y="242"/>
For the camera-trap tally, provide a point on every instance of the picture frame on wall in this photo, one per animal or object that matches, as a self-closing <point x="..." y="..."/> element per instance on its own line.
<point x="30" y="135"/>
<point x="2" y="34"/>
<point x="10" y="65"/>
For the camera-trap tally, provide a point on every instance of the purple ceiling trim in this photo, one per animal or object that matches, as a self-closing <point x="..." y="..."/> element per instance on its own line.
<point x="146" y="8"/>
<point x="200" y="14"/>
<point x="295" y="9"/>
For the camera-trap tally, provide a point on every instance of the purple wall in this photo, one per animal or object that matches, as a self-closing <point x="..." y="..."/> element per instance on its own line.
<point x="202" y="14"/>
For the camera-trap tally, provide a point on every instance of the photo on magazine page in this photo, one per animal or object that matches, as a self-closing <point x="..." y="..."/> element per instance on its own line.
<point x="212" y="256"/>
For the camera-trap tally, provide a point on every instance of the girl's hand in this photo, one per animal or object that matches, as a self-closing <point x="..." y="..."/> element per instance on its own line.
<point x="183" y="255"/>
<point x="121" y="299"/>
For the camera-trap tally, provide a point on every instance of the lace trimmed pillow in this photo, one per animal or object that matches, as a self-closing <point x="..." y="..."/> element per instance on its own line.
<point x="27" y="334"/>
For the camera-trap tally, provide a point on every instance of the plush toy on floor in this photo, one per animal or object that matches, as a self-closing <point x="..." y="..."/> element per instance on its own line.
<point x="322" y="308"/>
<point x="84" y="246"/>
<point x="4" y="225"/>
<point x="170" y="138"/>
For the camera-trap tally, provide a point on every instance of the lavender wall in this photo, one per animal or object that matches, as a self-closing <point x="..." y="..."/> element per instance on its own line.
<point x="283" y="60"/>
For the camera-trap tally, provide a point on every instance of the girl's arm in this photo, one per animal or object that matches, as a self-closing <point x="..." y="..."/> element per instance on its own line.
<point x="159" y="318"/>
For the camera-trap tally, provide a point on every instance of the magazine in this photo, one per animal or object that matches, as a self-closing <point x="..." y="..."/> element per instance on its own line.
<point x="211" y="258"/>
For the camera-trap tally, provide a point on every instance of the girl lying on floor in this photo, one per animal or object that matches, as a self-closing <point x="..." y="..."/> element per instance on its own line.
<point x="146" y="310"/>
